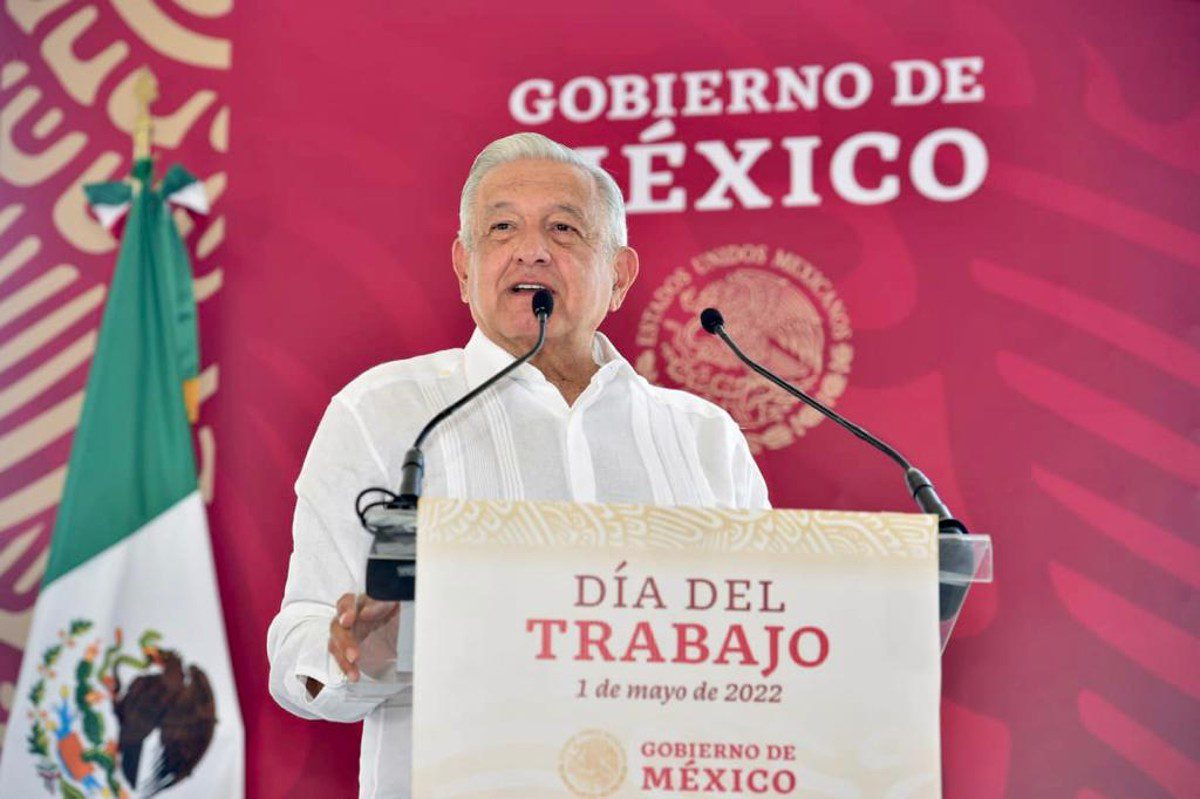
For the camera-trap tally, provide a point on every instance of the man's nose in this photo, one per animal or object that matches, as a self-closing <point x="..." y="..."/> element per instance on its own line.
<point x="532" y="247"/>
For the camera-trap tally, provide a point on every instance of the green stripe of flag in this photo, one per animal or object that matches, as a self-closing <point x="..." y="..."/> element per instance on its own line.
<point x="132" y="454"/>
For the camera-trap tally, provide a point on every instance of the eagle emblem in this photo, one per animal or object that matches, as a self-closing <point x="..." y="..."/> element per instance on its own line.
<point x="781" y="309"/>
<point x="110" y="722"/>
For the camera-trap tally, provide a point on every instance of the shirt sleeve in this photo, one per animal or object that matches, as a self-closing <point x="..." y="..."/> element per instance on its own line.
<point x="749" y="485"/>
<point x="329" y="555"/>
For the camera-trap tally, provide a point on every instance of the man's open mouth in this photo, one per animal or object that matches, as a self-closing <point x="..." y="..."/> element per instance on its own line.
<point x="529" y="287"/>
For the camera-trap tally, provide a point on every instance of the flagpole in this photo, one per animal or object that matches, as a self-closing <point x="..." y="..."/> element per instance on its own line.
<point x="145" y="91"/>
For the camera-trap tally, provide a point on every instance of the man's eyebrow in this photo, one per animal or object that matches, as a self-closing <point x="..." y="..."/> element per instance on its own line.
<point x="567" y="208"/>
<point x="572" y="210"/>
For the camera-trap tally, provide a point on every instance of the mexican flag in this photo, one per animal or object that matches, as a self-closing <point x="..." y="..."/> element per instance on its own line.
<point x="126" y="688"/>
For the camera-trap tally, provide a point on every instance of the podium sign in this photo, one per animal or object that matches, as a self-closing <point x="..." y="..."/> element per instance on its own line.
<point x="567" y="650"/>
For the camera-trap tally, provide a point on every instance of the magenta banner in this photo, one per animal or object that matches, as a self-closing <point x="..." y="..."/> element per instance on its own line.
<point x="971" y="227"/>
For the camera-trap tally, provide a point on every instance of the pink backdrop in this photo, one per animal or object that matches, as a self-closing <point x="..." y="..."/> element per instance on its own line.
<point x="1032" y="345"/>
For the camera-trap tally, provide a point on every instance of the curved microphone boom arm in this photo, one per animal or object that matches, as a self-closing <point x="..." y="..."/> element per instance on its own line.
<point x="920" y="486"/>
<point x="412" y="471"/>
<point x="392" y="520"/>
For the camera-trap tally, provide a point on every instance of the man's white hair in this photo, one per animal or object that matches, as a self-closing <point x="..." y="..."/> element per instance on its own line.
<point x="535" y="146"/>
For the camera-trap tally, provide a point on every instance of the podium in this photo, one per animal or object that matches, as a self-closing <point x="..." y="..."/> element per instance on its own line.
<point x="592" y="650"/>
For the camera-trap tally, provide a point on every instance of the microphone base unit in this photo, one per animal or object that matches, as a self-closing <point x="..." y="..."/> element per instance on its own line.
<point x="392" y="563"/>
<point x="954" y="559"/>
<point x="951" y="558"/>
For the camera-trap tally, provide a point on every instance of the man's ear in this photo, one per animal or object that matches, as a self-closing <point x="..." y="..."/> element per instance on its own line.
<point x="625" y="271"/>
<point x="460" y="259"/>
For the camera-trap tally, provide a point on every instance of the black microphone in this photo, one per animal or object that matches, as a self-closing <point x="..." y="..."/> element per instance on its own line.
<point x="957" y="559"/>
<point x="392" y="564"/>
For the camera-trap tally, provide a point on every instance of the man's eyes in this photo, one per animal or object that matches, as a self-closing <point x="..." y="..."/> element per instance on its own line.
<point x="556" y="227"/>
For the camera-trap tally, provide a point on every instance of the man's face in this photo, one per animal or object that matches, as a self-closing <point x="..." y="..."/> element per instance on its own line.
<point x="540" y="223"/>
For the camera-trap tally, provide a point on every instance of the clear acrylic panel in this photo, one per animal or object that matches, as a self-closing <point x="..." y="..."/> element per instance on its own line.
<point x="962" y="561"/>
<point x="385" y="652"/>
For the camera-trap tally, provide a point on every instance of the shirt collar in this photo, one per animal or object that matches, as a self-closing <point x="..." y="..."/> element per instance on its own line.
<point x="484" y="357"/>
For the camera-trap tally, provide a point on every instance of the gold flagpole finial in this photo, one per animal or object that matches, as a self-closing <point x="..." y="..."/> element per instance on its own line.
<point x="145" y="91"/>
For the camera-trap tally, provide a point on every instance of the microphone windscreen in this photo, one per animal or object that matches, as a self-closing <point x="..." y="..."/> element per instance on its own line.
<point x="543" y="303"/>
<point x="711" y="320"/>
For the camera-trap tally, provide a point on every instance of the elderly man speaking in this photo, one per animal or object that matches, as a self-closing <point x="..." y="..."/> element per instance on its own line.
<point x="576" y="423"/>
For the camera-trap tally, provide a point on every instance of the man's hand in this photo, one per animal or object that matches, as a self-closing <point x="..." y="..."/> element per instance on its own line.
<point x="357" y="617"/>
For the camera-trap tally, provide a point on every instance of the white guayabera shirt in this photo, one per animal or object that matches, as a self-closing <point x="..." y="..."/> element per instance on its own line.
<point x="623" y="440"/>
